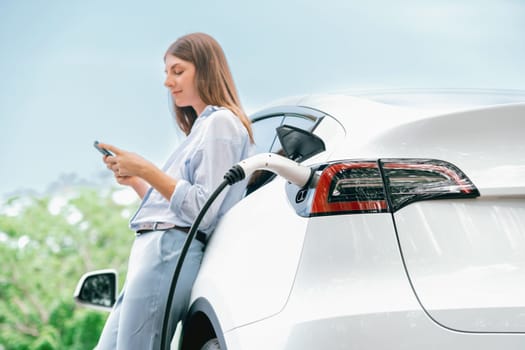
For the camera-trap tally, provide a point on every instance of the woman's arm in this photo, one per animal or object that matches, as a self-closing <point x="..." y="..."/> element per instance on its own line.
<point x="159" y="180"/>
<point x="133" y="170"/>
<point x="140" y="186"/>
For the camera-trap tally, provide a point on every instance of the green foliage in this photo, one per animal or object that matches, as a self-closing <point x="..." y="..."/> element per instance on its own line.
<point x="46" y="245"/>
<point x="87" y="330"/>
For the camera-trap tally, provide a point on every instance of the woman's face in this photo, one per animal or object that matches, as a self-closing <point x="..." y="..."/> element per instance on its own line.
<point x="180" y="80"/>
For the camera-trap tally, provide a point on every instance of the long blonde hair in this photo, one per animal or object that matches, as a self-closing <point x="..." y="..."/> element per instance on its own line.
<point x="213" y="78"/>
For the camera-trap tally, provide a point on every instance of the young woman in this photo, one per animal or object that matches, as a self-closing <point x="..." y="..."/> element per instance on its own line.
<point x="218" y="136"/>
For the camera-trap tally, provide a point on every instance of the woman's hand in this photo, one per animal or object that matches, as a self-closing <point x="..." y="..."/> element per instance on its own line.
<point x="133" y="170"/>
<point x="124" y="163"/>
<point x="128" y="168"/>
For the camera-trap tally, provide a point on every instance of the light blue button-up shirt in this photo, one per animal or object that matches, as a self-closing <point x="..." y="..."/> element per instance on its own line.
<point x="217" y="141"/>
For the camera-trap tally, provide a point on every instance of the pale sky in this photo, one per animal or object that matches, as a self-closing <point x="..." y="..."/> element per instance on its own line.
<point x="75" y="71"/>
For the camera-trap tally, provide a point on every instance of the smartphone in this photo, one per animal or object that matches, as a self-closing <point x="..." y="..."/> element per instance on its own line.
<point x="102" y="150"/>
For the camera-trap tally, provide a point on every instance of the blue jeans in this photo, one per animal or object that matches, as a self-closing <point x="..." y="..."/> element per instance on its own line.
<point x="136" y="319"/>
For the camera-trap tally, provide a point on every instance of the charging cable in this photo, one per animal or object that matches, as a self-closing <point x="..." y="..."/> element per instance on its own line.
<point x="292" y="171"/>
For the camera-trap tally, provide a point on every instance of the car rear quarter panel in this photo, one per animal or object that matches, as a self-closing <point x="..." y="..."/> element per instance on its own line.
<point x="351" y="291"/>
<point x="466" y="258"/>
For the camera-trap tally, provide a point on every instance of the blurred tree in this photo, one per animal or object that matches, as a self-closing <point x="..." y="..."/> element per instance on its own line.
<point x="46" y="244"/>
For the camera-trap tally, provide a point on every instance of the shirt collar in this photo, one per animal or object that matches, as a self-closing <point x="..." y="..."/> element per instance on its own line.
<point x="205" y="114"/>
<point x="208" y="111"/>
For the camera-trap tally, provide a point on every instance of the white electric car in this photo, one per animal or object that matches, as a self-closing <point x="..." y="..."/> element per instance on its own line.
<point x="412" y="235"/>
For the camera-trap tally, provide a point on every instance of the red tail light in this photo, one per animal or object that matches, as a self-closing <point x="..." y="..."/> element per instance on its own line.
<point x="386" y="185"/>
<point x="350" y="187"/>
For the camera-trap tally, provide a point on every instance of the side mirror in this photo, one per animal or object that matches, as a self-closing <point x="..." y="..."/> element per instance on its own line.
<point x="97" y="290"/>
<point x="299" y="144"/>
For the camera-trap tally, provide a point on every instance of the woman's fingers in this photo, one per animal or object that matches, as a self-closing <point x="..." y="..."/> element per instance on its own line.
<point x="123" y="163"/>
<point x="119" y="163"/>
<point x="111" y="148"/>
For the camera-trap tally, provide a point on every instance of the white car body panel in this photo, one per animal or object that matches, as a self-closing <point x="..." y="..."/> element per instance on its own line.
<point x="244" y="261"/>
<point x="489" y="144"/>
<point x="437" y="274"/>
<point x="367" y="306"/>
<point x="466" y="260"/>
<point x="383" y="331"/>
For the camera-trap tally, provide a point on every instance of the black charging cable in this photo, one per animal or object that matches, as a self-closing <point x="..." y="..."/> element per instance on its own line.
<point x="235" y="174"/>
